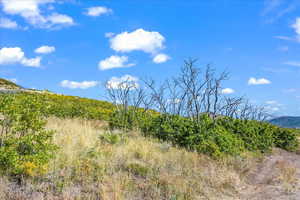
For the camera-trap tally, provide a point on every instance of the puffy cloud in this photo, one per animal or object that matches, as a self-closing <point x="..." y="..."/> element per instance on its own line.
<point x="30" y="11"/>
<point x="97" y="11"/>
<point x="227" y="91"/>
<point x="78" y="85"/>
<point x="60" y="19"/>
<point x="16" y="55"/>
<point x="31" y="62"/>
<point x="45" y="49"/>
<point x="7" y="23"/>
<point x="161" y="58"/>
<point x="296" y="26"/>
<point x="293" y="63"/>
<point x="126" y="81"/>
<point x="138" y="40"/>
<point x="114" y="62"/>
<point x="259" y="81"/>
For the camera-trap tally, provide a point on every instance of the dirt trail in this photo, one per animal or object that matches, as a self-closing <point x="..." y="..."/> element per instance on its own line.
<point x="277" y="177"/>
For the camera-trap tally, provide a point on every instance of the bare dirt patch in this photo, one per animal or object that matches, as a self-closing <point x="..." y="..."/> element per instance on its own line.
<point x="275" y="178"/>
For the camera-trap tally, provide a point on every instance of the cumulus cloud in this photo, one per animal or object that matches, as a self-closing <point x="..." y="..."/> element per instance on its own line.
<point x="45" y="49"/>
<point x="98" y="11"/>
<point x="30" y="11"/>
<point x="78" y="85"/>
<point x="7" y="23"/>
<point x="296" y="27"/>
<point x="227" y="91"/>
<point x="60" y="19"/>
<point x="123" y="82"/>
<point x="31" y="62"/>
<point x="293" y="63"/>
<point x="259" y="81"/>
<point x="15" y="55"/>
<point x="114" y="62"/>
<point x="138" y="40"/>
<point x="161" y="58"/>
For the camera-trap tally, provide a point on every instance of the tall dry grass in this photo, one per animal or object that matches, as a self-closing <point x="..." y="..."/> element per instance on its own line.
<point x="94" y="164"/>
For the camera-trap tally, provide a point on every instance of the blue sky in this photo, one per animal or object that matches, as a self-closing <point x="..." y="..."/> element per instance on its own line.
<point x="74" y="46"/>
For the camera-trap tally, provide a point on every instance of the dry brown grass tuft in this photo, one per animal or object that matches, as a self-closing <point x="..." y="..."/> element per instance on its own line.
<point x="92" y="164"/>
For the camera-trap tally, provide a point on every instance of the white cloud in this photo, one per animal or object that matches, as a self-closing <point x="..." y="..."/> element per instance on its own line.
<point x="138" y="40"/>
<point x="109" y="35"/>
<point x="227" y="91"/>
<point x="271" y="102"/>
<point x="161" y="58"/>
<point x="7" y="23"/>
<point x="283" y="37"/>
<point x="31" y="62"/>
<point x="30" y="11"/>
<point x="296" y="27"/>
<point x="60" y="19"/>
<point x="78" y="85"/>
<point x="126" y="81"/>
<point x="293" y="63"/>
<point x="259" y="81"/>
<point x="15" y="55"/>
<point x="114" y="62"/>
<point x="273" y="106"/>
<point x="45" y="49"/>
<point x="97" y="11"/>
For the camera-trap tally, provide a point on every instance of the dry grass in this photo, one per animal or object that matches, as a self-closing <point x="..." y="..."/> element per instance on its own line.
<point x="287" y="176"/>
<point x="92" y="164"/>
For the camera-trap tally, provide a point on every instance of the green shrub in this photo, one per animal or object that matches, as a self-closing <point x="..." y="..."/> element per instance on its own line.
<point x="25" y="145"/>
<point x="257" y="136"/>
<point x="286" y="138"/>
<point x="138" y="169"/>
<point x="110" y="138"/>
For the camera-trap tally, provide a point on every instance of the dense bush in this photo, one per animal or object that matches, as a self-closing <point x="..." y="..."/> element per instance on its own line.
<point x="219" y="137"/>
<point x="25" y="145"/>
<point x="69" y="106"/>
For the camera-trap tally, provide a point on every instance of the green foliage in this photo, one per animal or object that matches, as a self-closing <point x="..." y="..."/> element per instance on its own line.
<point x="217" y="138"/>
<point x="138" y="169"/>
<point x="286" y="138"/>
<point x="110" y="138"/>
<point x="25" y="145"/>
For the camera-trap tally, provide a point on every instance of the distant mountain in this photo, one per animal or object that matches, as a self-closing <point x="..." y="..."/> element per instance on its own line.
<point x="286" y="121"/>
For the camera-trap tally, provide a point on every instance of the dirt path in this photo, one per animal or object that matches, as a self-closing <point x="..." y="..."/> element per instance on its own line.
<point x="277" y="177"/>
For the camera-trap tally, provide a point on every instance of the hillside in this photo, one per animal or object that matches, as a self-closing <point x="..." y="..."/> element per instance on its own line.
<point x="66" y="147"/>
<point x="8" y="85"/>
<point x="286" y="121"/>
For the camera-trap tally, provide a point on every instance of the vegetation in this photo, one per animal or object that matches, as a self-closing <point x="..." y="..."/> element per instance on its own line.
<point x="194" y="114"/>
<point x="25" y="145"/>
<point x="180" y="140"/>
<point x="86" y="166"/>
<point x="5" y="84"/>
